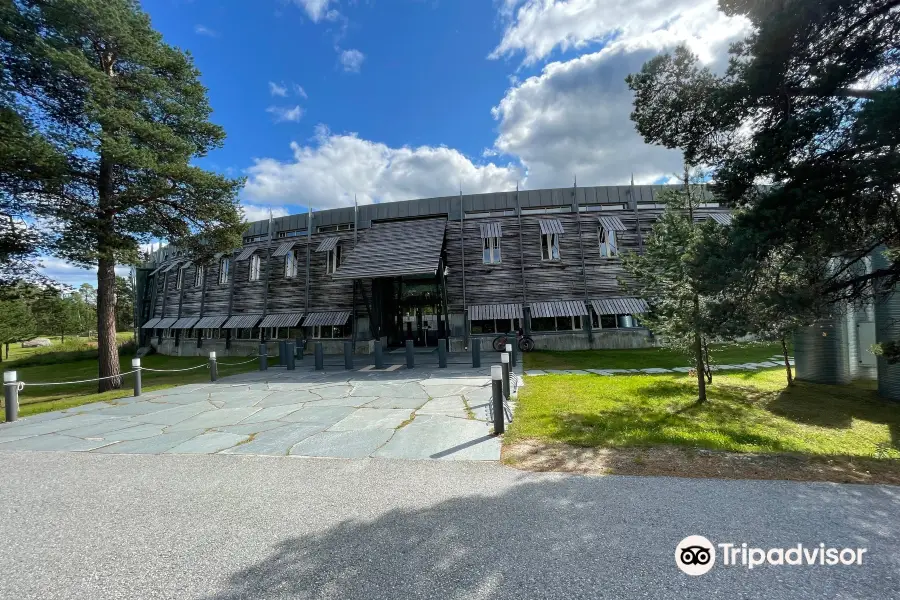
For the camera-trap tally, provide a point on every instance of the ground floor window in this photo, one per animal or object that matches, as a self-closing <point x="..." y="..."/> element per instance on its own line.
<point x="282" y="333"/>
<point x="331" y="331"/>
<point x="167" y="333"/>
<point x="212" y="334"/>
<point x="613" y="321"/>
<point x="246" y="333"/>
<point x="495" y="326"/>
<point x="556" y="323"/>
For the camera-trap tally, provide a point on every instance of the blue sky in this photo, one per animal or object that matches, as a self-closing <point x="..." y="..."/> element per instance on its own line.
<point x="327" y="100"/>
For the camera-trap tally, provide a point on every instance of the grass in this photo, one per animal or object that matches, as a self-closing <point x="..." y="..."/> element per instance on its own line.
<point x="745" y="412"/>
<point x="38" y="399"/>
<point x="666" y="358"/>
<point x="74" y="347"/>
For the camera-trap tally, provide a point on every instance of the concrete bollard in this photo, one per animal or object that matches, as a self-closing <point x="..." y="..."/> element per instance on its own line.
<point x="213" y="367"/>
<point x="348" y="355"/>
<point x="504" y="365"/>
<point x="511" y="349"/>
<point x="497" y="398"/>
<point x="442" y="353"/>
<point x="476" y="353"/>
<point x="300" y="346"/>
<point x="379" y="357"/>
<point x="282" y="353"/>
<point x="320" y="356"/>
<point x="410" y="357"/>
<point x="263" y="357"/>
<point x="136" y="366"/>
<point x="11" y="395"/>
<point x="289" y="354"/>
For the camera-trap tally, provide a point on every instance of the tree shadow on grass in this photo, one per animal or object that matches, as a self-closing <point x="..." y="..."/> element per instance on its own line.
<point x="574" y="537"/>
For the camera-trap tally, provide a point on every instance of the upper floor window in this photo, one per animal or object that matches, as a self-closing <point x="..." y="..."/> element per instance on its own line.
<point x="490" y="250"/>
<point x="550" y="246"/>
<point x="290" y="264"/>
<point x="225" y="270"/>
<point x="179" y="280"/>
<point x="198" y="276"/>
<point x="255" y="267"/>
<point x="333" y="259"/>
<point x="608" y="244"/>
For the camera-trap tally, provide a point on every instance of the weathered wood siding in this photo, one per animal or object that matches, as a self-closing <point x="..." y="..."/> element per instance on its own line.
<point x="216" y="297"/>
<point x="288" y="294"/>
<point x="190" y="303"/>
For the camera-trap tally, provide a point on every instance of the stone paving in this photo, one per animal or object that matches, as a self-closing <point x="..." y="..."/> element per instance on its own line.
<point x="774" y="361"/>
<point x="422" y="413"/>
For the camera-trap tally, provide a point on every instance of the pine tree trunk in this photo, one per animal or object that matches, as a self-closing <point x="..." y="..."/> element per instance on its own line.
<point x="787" y="363"/>
<point x="106" y="325"/>
<point x="7" y="350"/>
<point x="698" y="355"/>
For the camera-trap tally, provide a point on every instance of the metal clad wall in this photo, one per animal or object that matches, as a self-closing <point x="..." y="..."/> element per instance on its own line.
<point x="887" y="327"/>
<point x="820" y="352"/>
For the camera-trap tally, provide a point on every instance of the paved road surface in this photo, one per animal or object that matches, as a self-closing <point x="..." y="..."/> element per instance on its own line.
<point x="223" y="527"/>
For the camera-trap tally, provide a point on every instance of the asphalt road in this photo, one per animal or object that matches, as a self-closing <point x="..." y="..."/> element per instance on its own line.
<point x="225" y="527"/>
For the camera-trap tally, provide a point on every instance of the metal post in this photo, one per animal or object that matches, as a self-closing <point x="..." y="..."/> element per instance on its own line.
<point x="504" y="364"/>
<point x="263" y="357"/>
<point x="442" y="353"/>
<point x="213" y="367"/>
<point x="302" y="347"/>
<point x="291" y="363"/>
<point x="379" y="358"/>
<point x="11" y="395"/>
<point x="320" y="357"/>
<point x="136" y="365"/>
<point x="282" y="353"/>
<point x="511" y="349"/>
<point x="410" y="357"/>
<point x="476" y="352"/>
<point x="497" y="398"/>
<point x="348" y="355"/>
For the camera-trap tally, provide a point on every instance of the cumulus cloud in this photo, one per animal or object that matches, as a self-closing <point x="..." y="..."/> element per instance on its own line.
<point x="572" y="119"/>
<point x="337" y="167"/>
<point x="69" y="274"/>
<point x="277" y="90"/>
<point x="283" y="114"/>
<point x="352" y="60"/>
<point x="317" y="10"/>
<point x="254" y="212"/>
<point x="298" y="89"/>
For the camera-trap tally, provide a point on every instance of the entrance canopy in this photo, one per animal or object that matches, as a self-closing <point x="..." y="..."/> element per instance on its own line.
<point x="396" y="248"/>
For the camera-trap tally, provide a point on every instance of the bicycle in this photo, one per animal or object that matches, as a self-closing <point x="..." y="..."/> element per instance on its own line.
<point x="524" y="342"/>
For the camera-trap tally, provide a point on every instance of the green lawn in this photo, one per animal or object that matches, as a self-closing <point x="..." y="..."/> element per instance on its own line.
<point x="745" y="412"/>
<point x="722" y="354"/>
<point x="72" y="343"/>
<point x="38" y="399"/>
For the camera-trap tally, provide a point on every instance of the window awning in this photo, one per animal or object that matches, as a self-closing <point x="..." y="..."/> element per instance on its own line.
<point x="396" y="248"/>
<point x="151" y="324"/>
<point x="211" y="322"/>
<point x="172" y="266"/>
<point x="156" y="270"/>
<point x="484" y="312"/>
<point x="247" y="253"/>
<point x="281" y="320"/>
<point x="284" y="248"/>
<point x="326" y="318"/>
<point x="551" y="226"/>
<point x="491" y="230"/>
<point x="185" y="323"/>
<point x="165" y="323"/>
<point x="242" y="322"/>
<point x="720" y="218"/>
<point x="619" y="306"/>
<point x="563" y="308"/>
<point x="612" y="224"/>
<point x="328" y="244"/>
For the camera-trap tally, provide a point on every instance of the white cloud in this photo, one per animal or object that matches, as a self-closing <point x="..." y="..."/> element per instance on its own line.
<point x="537" y="27"/>
<point x="336" y="167"/>
<point x="69" y="274"/>
<point x="284" y="114"/>
<point x="254" y="212"/>
<point x="352" y="60"/>
<point x="298" y="89"/>
<point x="204" y="30"/>
<point x="573" y="118"/>
<point x="277" y="90"/>
<point x="318" y="10"/>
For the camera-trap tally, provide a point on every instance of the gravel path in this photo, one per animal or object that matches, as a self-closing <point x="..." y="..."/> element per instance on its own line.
<point x="92" y="526"/>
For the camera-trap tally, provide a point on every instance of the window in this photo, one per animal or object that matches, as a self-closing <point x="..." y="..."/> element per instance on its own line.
<point x="613" y="321"/>
<point x="179" y="280"/>
<point x="543" y="324"/>
<point x="556" y="324"/>
<point x="255" y="263"/>
<point x="333" y="259"/>
<point x="341" y="227"/>
<point x="491" y="251"/>
<point x="331" y="331"/>
<point x="608" y="244"/>
<point x="224" y="270"/>
<point x="255" y="238"/>
<point x="550" y="246"/>
<point x="495" y="326"/>
<point x="290" y="264"/>
<point x="211" y="334"/>
<point x="198" y="276"/>
<point x="488" y="326"/>
<point x="292" y="233"/>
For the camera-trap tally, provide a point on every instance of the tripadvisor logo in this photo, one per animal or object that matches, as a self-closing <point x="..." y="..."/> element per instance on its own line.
<point x="696" y="555"/>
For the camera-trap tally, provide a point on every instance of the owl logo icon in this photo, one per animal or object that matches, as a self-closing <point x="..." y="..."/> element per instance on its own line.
<point x="695" y="555"/>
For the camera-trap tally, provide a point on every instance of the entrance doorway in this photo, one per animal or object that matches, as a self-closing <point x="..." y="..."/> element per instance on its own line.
<point x="409" y="308"/>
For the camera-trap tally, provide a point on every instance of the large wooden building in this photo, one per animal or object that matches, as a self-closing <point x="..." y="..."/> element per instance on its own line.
<point x="462" y="268"/>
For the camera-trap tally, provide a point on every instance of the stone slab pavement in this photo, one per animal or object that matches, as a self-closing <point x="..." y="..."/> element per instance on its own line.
<point x="421" y="413"/>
